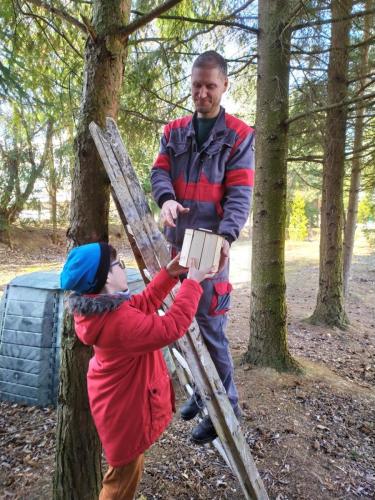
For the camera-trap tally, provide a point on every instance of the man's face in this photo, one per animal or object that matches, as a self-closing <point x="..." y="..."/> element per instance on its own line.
<point x="207" y="87"/>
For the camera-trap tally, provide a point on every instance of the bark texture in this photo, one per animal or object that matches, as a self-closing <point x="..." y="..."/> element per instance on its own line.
<point x="355" y="178"/>
<point x="268" y="331"/>
<point x="78" y="455"/>
<point x="103" y="75"/>
<point x="329" y="308"/>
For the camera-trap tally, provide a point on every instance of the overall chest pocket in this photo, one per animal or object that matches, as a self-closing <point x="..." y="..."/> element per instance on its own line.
<point x="178" y="148"/>
<point x="180" y="154"/>
<point x="220" y="146"/>
<point x="214" y="160"/>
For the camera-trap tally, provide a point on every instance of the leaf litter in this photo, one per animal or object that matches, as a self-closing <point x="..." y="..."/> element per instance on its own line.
<point x="311" y="436"/>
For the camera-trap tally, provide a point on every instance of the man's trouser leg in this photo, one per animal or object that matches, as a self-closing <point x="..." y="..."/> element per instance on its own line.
<point x="120" y="483"/>
<point x="212" y="320"/>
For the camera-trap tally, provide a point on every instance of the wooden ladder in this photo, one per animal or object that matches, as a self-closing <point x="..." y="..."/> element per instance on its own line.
<point x="151" y="252"/>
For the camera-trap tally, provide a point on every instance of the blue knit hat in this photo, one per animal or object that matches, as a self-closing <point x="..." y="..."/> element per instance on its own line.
<point x="86" y="268"/>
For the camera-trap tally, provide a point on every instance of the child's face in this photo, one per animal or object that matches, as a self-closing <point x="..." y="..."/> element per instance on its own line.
<point x="117" y="279"/>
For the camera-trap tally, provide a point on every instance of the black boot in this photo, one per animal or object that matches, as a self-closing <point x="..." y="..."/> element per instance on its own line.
<point x="191" y="408"/>
<point x="204" y="432"/>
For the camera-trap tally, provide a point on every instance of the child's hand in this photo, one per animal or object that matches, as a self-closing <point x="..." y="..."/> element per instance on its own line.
<point x="199" y="275"/>
<point x="174" y="269"/>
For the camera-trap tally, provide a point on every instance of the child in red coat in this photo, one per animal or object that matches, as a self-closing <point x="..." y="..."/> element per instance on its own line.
<point x="130" y="391"/>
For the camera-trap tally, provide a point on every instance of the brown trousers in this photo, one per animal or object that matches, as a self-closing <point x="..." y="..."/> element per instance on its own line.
<point x="120" y="483"/>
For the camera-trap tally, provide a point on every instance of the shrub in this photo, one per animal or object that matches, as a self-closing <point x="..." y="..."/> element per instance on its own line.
<point x="298" y="223"/>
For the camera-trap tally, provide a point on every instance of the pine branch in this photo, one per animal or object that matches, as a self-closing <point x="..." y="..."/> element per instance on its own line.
<point x="303" y="68"/>
<point x="314" y="159"/>
<point x="313" y="186"/>
<point x="60" y="13"/>
<point x="329" y="106"/>
<point x="212" y="22"/>
<point x="365" y="148"/>
<point x="171" y="103"/>
<point x="54" y="28"/>
<point x="368" y="75"/>
<point x="192" y="37"/>
<point x="251" y="60"/>
<point x="143" y="117"/>
<point x="220" y="22"/>
<point x="298" y="50"/>
<point x="359" y="104"/>
<point x="146" y="18"/>
<point x="320" y="22"/>
<point x="138" y="41"/>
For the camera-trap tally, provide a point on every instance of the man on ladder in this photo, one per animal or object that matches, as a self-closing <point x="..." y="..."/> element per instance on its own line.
<point x="203" y="178"/>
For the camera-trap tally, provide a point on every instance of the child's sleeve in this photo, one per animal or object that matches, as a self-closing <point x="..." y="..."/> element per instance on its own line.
<point x="142" y="333"/>
<point x="152" y="297"/>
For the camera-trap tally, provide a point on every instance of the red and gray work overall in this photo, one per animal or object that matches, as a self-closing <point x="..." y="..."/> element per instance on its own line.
<point x="215" y="182"/>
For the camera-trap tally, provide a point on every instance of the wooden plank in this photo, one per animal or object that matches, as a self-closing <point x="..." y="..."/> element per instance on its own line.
<point x="132" y="203"/>
<point x="180" y="360"/>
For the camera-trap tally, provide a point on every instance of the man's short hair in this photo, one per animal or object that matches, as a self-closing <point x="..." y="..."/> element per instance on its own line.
<point x="211" y="59"/>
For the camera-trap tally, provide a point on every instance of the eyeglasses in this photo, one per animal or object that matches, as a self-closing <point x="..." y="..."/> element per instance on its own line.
<point x="119" y="262"/>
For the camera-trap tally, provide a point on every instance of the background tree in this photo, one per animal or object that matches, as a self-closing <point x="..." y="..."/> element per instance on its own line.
<point x="309" y="100"/>
<point x="20" y="165"/>
<point x="311" y="68"/>
<point x="268" y="330"/>
<point x="57" y="176"/>
<point x="355" y="178"/>
<point x="50" y="94"/>
<point x="329" y="309"/>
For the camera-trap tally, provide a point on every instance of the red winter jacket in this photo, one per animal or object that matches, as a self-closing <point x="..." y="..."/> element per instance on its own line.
<point x="130" y="392"/>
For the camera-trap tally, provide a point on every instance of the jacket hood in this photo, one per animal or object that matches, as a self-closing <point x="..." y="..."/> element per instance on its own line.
<point x="87" y="308"/>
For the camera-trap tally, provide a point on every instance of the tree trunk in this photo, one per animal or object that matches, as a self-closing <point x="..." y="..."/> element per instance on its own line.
<point x="104" y="68"/>
<point x="52" y="193"/>
<point x="329" y="308"/>
<point x="78" y="455"/>
<point x="11" y="164"/>
<point x="355" y="179"/>
<point x="268" y="331"/>
<point x="5" y="229"/>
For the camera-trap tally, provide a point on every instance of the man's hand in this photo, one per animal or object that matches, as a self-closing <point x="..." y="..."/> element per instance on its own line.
<point x="224" y="255"/>
<point x="174" y="269"/>
<point x="169" y="212"/>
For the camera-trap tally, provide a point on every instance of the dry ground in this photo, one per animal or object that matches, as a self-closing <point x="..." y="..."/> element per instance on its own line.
<point x="312" y="436"/>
